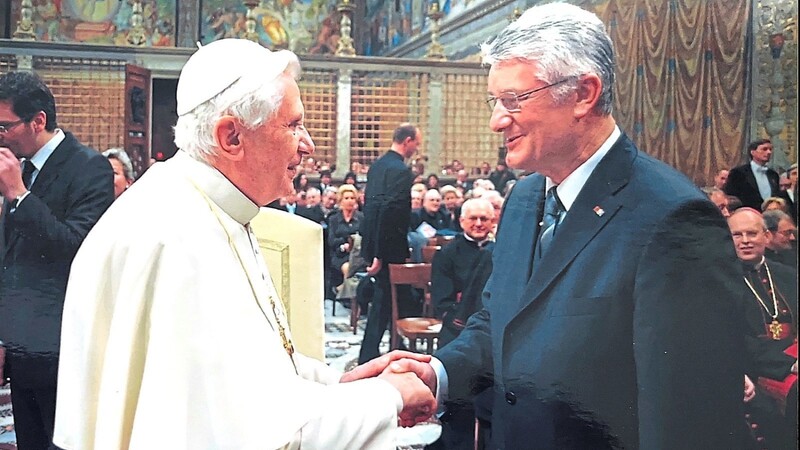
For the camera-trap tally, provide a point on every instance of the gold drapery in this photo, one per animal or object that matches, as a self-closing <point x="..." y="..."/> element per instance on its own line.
<point x="680" y="90"/>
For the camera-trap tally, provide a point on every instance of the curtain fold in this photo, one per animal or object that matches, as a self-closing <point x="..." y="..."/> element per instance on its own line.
<point x="680" y="79"/>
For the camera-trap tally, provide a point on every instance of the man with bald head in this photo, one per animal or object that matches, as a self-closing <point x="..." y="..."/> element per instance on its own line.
<point x="431" y="212"/>
<point x="174" y="335"/>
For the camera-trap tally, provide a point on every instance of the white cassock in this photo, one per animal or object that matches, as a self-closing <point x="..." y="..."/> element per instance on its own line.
<point x="170" y="339"/>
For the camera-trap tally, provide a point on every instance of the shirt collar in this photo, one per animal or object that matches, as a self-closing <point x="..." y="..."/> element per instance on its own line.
<point x="757" y="167"/>
<point x="569" y="189"/>
<point x="219" y="189"/>
<point x="47" y="149"/>
<point x="469" y="239"/>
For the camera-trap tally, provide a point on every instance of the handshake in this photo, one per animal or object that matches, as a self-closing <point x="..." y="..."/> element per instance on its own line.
<point x="411" y="374"/>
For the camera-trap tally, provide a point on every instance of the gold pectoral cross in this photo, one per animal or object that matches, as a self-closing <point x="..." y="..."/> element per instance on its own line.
<point x="776" y="329"/>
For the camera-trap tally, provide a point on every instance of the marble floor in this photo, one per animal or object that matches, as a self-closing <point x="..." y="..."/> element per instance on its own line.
<point x="341" y="352"/>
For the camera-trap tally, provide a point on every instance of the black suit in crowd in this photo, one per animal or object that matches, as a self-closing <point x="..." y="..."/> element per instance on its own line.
<point x="790" y="205"/>
<point x="387" y="212"/>
<point x="439" y="220"/>
<point x="339" y="232"/>
<point x="43" y="233"/>
<point x="742" y="184"/>
<point x="452" y="270"/>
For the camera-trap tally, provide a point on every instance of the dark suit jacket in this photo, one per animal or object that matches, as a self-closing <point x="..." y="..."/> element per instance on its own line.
<point x="742" y="184"/>
<point x="622" y="335"/>
<point x="387" y="210"/>
<point x="440" y="220"/>
<point x="790" y="205"/>
<point x="451" y="271"/>
<point x="70" y="193"/>
<point x="314" y="214"/>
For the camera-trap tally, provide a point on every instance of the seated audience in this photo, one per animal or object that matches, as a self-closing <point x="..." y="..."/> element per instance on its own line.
<point x="451" y="205"/>
<point x="431" y="213"/>
<point x="774" y="203"/>
<point x="344" y="223"/>
<point x="769" y="292"/>
<point x="782" y="239"/>
<point x="718" y="197"/>
<point x="459" y="272"/>
<point x="123" y="169"/>
<point x="432" y="181"/>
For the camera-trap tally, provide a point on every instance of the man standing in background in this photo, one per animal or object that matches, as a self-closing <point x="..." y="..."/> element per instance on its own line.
<point x="387" y="213"/>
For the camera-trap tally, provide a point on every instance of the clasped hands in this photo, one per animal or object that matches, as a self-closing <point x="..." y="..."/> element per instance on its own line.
<point x="411" y="374"/>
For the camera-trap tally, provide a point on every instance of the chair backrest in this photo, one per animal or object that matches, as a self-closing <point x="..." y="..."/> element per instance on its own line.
<point x="429" y="251"/>
<point x="444" y="240"/>
<point x="416" y="275"/>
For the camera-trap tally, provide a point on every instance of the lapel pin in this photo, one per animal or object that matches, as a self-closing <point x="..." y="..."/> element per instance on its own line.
<point x="599" y="211"/>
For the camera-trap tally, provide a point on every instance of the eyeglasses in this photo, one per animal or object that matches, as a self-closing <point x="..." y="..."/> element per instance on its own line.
<point x="6" y="127"/>
<point x="477" y="218"/>
<point x="787" y="233"/>
<point x="511" y="101"/>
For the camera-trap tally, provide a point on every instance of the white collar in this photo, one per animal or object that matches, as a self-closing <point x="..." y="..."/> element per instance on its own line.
<point x="569" y="189"/>
<point x="40" y="158"/>
<point x="219" y="189"/>
<point x="758" y="167"/>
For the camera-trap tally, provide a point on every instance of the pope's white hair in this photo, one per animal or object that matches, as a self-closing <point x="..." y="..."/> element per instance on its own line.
<point x="252" y="106"/>
<point x="565" y="42"/>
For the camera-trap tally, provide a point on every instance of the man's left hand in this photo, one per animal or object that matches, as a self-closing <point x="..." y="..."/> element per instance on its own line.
<point x="11" y="185"/>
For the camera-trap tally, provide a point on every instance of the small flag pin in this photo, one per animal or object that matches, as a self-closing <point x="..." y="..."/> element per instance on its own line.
<point x="599" y="211"/>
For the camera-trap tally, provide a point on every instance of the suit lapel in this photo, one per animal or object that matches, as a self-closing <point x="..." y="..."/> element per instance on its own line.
<point x="47" y="175"/>
<point x="52" y="168"/>
<point x="595" y="206"/>
<point x="751" y="178"/>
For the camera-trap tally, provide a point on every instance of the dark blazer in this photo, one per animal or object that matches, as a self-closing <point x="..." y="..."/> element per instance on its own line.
<point x="339" y="232"/>
<point x="440" y="220"/>
<point x="622" y="335"/>
<point x="69" y="195"/>
<point x="742" y="184"/>
<point x="451" y="271"/>
<point x="387" y="210"/>
<point x="314" y="214"/>
<point x="790" y="205"/>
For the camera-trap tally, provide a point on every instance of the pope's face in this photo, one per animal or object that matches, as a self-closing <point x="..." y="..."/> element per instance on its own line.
<point x="276" y="148"/>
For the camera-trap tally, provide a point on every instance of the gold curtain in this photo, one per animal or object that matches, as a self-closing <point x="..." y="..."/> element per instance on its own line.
<point x="681" y="79"/>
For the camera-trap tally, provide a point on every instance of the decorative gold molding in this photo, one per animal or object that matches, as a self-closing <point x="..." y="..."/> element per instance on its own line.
<point x="285" y="281"/>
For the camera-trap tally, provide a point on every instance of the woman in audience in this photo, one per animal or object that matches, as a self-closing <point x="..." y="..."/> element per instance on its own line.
<point x="774" y="203"/>
<point x="300" y="182"/>
<point x="341" y="225"/>
<point x="123" y="169"/>
<point x="433" y="181"/>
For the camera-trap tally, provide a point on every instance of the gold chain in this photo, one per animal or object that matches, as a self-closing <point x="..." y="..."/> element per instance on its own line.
<point x="287" y="343"/>
<point x="771" y="290"/>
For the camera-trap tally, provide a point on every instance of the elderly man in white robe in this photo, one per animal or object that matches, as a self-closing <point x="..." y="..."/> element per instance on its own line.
<point x="173" y="334"/>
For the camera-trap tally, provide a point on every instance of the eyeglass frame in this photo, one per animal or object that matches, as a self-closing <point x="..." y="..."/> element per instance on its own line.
<point x="519" y="98"/>
<point x="7" y="127"/>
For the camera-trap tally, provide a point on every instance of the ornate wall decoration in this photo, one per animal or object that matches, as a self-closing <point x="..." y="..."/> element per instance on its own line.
<point x="101" y="21"/>
<point x="303" y="26"/>
<point x="774" y="79"/>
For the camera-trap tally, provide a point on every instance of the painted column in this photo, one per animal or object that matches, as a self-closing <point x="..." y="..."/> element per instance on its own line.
<point x="344" y="88"/>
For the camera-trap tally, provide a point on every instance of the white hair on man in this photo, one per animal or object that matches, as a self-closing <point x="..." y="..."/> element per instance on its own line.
<point x="244" y="94"/>
<point x="565" y="41"/>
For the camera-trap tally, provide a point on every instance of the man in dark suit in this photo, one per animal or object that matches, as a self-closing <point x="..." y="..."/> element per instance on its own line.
<point x="50" y="205"/>
<point x="387" y="212"/>
<point x="607" y="320"/>
<point x="754" y="182"/>
<point x="431" y="212"/>
<point x="453" y="266"/>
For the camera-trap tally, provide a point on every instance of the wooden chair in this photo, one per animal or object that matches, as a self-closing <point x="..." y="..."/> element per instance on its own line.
<point x="425" y="328"/>
<point x="429" y="251"/>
